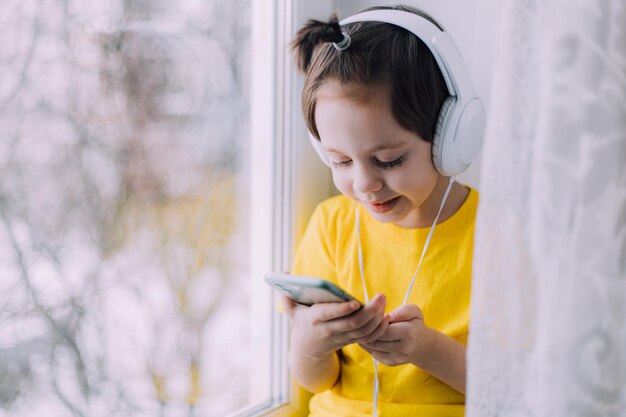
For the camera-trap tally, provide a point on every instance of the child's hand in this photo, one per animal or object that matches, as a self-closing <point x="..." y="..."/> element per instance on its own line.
<point x="407" y="339"/>
<point x="323" y="328"/>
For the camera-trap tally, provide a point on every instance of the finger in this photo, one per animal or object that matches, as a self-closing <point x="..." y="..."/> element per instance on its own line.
<point x="395" y="331"/>
<point x="369" y="349"/>
<point x="327" y="312"/>
<point x="376" y="334"/>
<point x="288" y="305"/>
<point x="399" y="331"/>
<point x="371" y="330"/>
<point x="383" y="347"/>
<point x="374" y="309"/>
<point x="385" y="358"/>
<point x="382" y="357"/>
<point x="406" y="312"/>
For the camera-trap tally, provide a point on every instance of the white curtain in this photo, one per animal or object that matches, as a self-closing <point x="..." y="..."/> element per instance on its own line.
<point x="548" y="318"/>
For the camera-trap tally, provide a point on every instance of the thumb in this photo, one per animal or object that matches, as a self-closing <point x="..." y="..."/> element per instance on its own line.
<point x="406" y="312"/>
<point x="287" y="305"/>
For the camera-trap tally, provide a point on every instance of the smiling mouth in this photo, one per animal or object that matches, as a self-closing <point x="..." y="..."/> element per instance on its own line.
<point x="384" y="206"/>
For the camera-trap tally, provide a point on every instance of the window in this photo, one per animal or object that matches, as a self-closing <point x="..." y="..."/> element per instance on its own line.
<point x="137" y="172"/>
<point x="153" y="166"/>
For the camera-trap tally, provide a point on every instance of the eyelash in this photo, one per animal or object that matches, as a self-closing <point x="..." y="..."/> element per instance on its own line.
<point x="384" y="165"/>
<point x="391" y="164"/>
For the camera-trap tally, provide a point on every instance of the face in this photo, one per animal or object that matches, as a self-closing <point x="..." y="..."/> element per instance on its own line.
<point x="375" y="161"/>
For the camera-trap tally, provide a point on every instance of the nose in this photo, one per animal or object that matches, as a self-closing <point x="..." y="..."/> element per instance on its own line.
<point x="366" y="181"/>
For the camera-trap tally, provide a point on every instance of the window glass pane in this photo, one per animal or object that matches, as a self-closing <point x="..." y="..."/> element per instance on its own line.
<point x="124" y="207"/>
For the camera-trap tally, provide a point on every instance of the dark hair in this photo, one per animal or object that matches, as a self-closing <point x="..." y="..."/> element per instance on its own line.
<point x="379" y="55"/>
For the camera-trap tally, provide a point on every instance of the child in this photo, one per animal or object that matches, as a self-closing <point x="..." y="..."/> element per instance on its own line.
<point x="371" y="100"/>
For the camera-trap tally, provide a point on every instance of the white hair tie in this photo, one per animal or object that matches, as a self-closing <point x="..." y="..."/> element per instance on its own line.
<point x="345" y="42"/>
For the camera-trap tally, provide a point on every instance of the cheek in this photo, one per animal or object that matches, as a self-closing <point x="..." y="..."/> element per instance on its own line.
<point x="342" y="181"/>
<point x="421" y="180"/>
<point x="418" y="177"/>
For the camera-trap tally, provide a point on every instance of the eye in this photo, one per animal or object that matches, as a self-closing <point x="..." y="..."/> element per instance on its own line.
<point x="340" y="164"/>
<point x="390" y="164"/>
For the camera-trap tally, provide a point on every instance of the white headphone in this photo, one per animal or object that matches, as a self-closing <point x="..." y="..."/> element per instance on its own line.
<point x="460" y="126"/>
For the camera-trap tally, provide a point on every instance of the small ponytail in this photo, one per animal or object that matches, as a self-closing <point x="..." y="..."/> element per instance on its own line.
<point x="311" y="35"/>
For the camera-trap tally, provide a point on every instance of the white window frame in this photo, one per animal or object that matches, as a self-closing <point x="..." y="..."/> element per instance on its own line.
<point x="280" y="151"/>
<point x="279" y="208"/>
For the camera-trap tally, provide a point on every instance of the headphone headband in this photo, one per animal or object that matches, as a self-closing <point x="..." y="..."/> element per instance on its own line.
<point x="438" y="41"/>
<point x="461" y="124"/>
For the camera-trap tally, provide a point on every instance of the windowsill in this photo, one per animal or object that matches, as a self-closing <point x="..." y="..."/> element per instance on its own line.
<point x="284" y="411"/>
<point x="297" y="407"/>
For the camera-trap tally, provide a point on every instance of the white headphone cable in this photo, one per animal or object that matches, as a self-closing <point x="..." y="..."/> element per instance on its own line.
<point x="408" y="292"/>
<point x="430" y="235"/>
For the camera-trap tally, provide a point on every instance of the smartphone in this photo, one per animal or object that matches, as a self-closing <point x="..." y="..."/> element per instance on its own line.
<point x="307" y="290"/>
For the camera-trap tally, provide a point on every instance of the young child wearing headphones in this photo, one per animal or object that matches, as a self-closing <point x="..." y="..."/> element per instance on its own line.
<point x="392" y="111"/>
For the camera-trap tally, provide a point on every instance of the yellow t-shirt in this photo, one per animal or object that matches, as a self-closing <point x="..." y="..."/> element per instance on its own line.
<point x="390" y="255"/>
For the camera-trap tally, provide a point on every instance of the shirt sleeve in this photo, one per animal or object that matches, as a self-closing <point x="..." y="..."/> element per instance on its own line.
<point x="315" y="252"/>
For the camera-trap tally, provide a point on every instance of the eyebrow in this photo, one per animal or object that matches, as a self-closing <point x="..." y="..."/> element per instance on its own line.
<point x="374" y="149"/>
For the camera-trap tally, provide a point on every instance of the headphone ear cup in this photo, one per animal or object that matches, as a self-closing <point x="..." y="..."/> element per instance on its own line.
<point x="317" y="145"/>
<point x="440" y="130"/>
